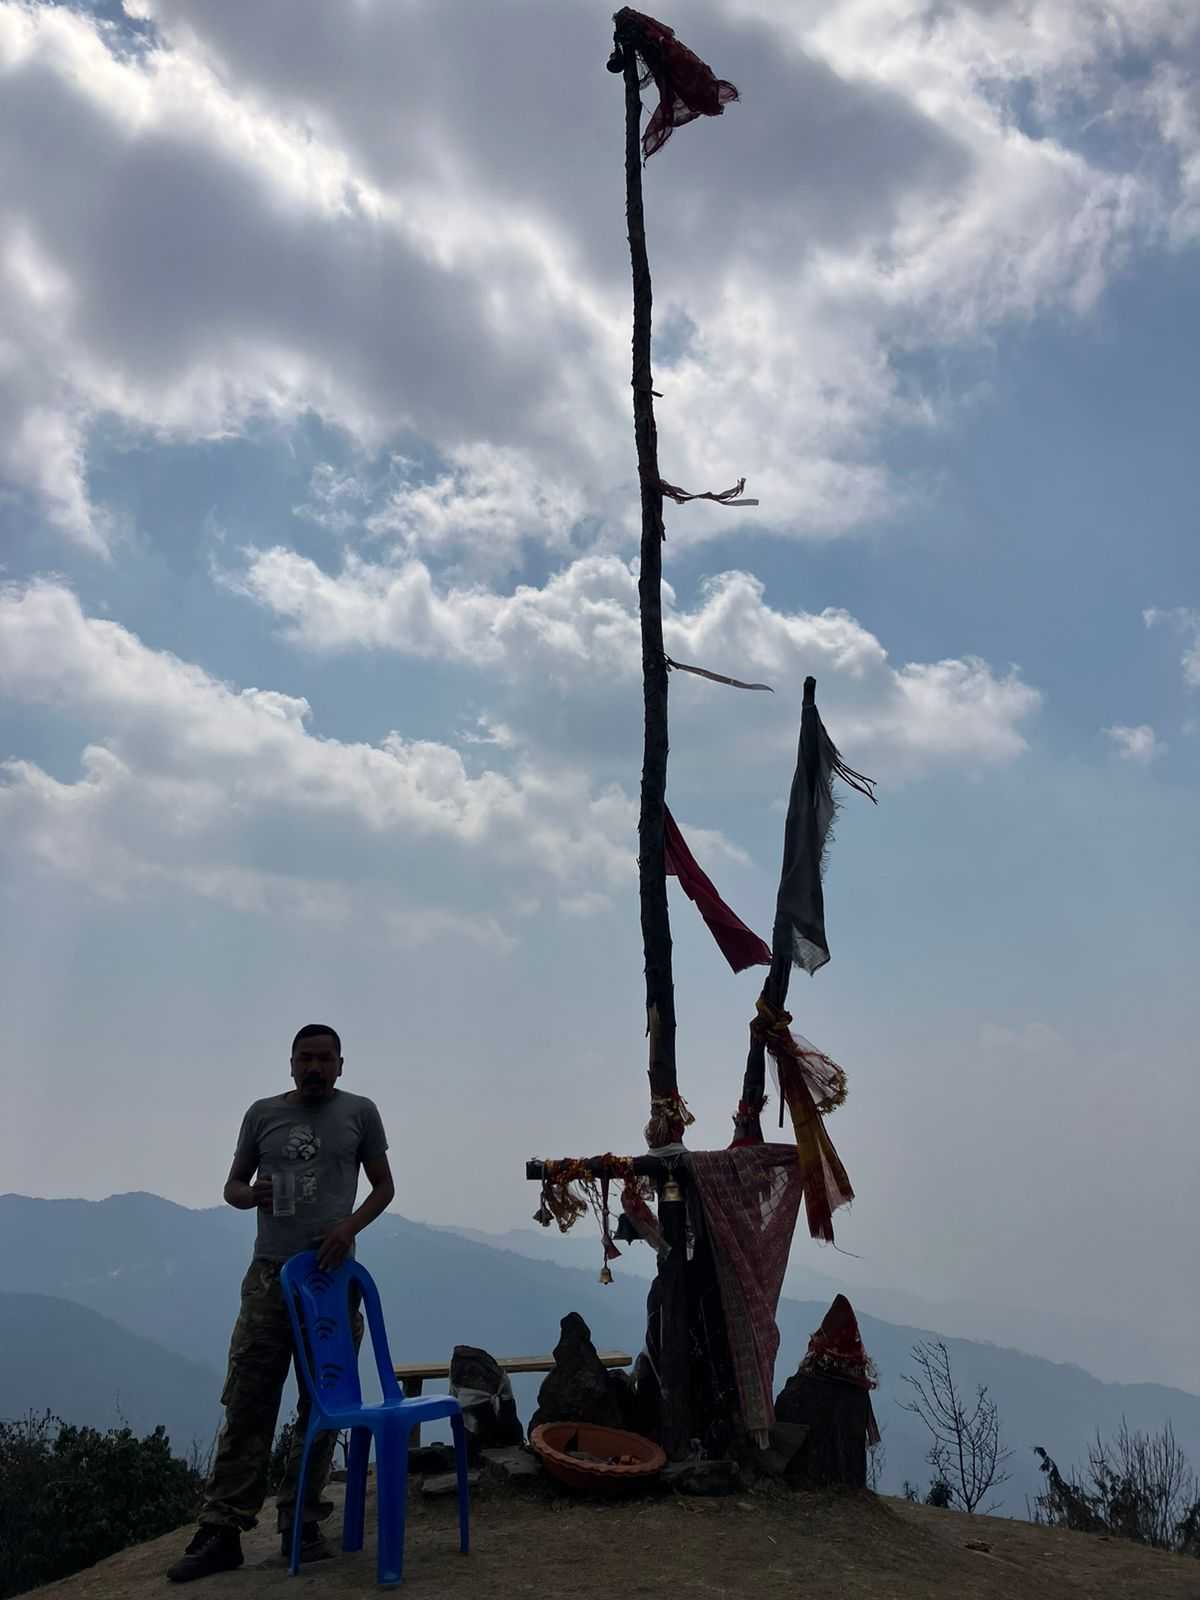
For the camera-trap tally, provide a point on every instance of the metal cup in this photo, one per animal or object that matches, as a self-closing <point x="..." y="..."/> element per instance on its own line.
<point x="283" y="1192"/>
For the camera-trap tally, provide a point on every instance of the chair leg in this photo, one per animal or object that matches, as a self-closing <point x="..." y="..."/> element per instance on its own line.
<point x="354" y="1518"/>
<point x="460" y="1462"/>
<point x="391" y="1469"/>
<point x="298" y="1507"/>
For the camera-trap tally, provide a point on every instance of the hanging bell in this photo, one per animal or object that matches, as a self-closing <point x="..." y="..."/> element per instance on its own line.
<point x="605" y="1274"/>
<point x="672" y="1194"/>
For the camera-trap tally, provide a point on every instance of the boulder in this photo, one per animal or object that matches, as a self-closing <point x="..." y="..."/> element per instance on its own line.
<point x="445" y="1485"/>
<point x="838" y="1416"/>
<point x="481" y="1386"/>
<point x="787" y="1440"/>
<point x="514" y="1464"/>
<point x="429" y="1460"/>
<point x="578" y="1388"/>
<point x="830" y="1394"/>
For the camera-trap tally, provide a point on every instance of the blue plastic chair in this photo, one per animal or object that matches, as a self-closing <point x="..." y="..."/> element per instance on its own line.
<point x="319" y="1305"/>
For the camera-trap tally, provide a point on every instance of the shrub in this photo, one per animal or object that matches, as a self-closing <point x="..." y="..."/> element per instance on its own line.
<point x="1137" y="1486"/>
<point x="70" y="1496"/>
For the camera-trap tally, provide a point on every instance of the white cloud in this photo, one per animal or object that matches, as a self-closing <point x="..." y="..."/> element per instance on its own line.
<point x="575" y="642"/>
<point x="1187" y="622"/>
<point x="228" y="794"/>
<point x="218" y="228"/>
<point x="1140" y="745"/>
<point x="481" y="511"/>
<point x="205" y="258"/>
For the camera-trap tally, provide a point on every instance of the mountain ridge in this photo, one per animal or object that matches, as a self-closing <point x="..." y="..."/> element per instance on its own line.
<point x="126" y="1380"/>
<point x="1108" y="1347"/>
<point x="130" y="1258"/>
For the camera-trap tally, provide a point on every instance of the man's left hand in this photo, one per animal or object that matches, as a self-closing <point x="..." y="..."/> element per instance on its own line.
<point x="336" y="1245"/>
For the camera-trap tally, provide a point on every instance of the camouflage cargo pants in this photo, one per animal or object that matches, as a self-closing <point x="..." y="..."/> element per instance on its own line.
<point x="260" y="1353"/>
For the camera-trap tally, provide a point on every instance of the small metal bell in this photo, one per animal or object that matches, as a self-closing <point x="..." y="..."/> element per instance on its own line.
<point x="672" y="1194"/>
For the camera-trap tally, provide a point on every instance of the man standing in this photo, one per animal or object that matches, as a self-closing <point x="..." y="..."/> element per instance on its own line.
<point x="297" y="1162"/>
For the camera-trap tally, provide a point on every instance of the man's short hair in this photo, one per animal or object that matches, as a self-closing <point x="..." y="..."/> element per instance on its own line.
<point x="311" y="1030"/>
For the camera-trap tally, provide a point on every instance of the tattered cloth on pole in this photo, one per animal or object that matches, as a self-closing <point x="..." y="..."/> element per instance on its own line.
<point x="809" y="1082"/>
<point x="751" y="1198"/>
<point x="800" y="907"/>
<point x="721" y="497"/>
<point x="740" y="945"/>
<point x="811" y="1085"/>
<point x="687" y="87"/>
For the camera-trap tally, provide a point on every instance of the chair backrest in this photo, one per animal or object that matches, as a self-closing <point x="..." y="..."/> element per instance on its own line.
<point x="318" y="1304"/>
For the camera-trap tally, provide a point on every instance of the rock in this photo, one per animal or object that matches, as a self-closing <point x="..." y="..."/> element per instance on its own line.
<point x="787" y="1441"/>
<point x="425" y="1460"/>
<point x="578" y="1389"/>
<point x="482" y="1388"/>
<point x="446" y="1483"/>
<point x="514" y="1463"/>
<point x="788" y="1437"/>
<point x="702" y="1477"/>
<point x="836" y="1414"/>
<point x="978" y="1544"/>
<point x="830" y="1393"/>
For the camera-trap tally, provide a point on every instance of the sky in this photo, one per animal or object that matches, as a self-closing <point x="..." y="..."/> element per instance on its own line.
<point x="319" y="672"/>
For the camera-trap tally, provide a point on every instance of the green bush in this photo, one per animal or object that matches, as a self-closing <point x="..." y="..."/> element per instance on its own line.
<point x="71" y="1496"/>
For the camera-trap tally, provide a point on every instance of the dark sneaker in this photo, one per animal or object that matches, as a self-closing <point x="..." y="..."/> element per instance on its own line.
<point x="212" y="1550"/>
<point x="312" y="1543"/>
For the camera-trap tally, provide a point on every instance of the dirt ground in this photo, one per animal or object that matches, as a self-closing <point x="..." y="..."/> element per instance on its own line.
<point x="533" y="1542"/>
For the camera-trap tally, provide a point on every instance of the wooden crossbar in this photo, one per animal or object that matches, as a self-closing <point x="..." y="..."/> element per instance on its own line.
<point x="418" y="1371"/>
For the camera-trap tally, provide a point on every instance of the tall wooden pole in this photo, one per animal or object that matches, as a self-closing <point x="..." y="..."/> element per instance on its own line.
<point x="652" y="874"/>
<point x="670" y="1297"/>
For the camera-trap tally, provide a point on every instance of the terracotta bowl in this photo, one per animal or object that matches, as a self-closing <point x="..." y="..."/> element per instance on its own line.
<point x="618" y="1459"/>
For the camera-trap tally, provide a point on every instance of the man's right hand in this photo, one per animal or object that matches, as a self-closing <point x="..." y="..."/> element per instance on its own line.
<point x="249" y="1196"/>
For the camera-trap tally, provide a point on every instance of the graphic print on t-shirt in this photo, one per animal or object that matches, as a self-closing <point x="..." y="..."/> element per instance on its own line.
<point x="304" y="1144"/>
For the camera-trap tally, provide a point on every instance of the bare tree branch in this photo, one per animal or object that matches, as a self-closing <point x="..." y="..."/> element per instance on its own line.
<point x="965" y="1450"/>
<point x="1137" y="1486"/>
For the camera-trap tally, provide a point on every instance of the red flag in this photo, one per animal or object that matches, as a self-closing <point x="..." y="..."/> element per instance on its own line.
<point x="687" y="87"/>
<point x="739" y="944"/>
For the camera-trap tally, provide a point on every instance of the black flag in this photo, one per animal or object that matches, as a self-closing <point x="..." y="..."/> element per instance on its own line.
<point x="800" y="908"/>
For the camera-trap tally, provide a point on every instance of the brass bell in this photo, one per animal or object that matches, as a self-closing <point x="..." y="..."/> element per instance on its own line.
<point x="672" y="1194"/>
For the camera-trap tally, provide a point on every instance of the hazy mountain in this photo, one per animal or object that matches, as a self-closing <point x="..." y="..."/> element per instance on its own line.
<point x="58" y="1356"/>
<point x="172" y="1275"/>
<point x="1114" y="1351"/>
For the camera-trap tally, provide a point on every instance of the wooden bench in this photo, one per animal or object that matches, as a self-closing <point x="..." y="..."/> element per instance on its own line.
<point x="412" y="1376"/>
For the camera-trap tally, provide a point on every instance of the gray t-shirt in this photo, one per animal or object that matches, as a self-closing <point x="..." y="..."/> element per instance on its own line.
<point x="324" y="1144"/>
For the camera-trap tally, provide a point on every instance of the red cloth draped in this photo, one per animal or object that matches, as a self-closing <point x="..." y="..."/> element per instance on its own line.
<point x="687" y="87"/>
<point x="740" y="945"/>
<point x="751" y="1200"/>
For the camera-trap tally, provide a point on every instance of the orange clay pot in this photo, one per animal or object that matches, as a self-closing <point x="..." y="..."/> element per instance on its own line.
<point x="624" y="1459"/>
